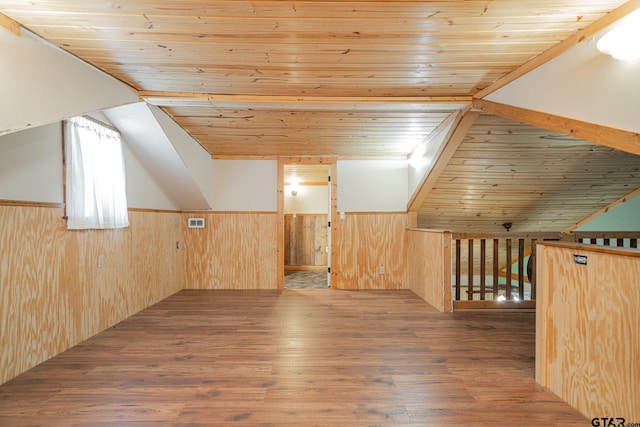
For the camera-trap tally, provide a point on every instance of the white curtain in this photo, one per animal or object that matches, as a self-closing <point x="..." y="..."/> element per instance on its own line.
<point x="96" y="186"/>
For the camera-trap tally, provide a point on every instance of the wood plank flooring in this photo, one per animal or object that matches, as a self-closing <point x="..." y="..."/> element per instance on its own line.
<point x="290" y="358"/>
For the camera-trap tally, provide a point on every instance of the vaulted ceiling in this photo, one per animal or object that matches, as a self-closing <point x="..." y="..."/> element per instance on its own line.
<point x="359" y="79"/>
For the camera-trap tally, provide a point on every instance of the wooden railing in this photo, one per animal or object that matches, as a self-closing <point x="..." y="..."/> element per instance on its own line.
<point x="620" y="239"/>
<point x="498" y="270"/>
<point x="495" y="268"/>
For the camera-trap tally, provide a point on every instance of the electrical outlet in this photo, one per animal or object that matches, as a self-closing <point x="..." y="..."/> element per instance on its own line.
<point x="381" y="269"/>
<point x="100" y="261"/>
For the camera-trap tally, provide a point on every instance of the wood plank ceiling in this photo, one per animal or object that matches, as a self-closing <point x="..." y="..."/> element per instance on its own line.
<point x="345" y="79"/>
<point x="505" y="171"/>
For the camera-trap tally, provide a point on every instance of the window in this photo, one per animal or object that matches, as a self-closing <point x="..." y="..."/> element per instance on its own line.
<point x="96" y="186"/>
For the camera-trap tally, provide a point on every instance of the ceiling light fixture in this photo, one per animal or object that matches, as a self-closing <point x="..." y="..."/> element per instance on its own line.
<point x="293" y="186"/>
<point x="623" y="40"/>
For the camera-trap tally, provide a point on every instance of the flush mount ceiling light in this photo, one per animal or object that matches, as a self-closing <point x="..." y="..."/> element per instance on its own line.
<point x="623" y="40"/>
<point x="293" y="186"/>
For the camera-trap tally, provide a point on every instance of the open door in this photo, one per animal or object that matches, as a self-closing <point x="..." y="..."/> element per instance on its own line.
<point x="305" y="211"/>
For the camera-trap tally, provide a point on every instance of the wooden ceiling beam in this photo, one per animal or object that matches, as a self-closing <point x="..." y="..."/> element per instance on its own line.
<point x="610" y="137"/>
<point x="175" y="98"/>
<point x="9" y="24"/>
<point x="561" y="47"/>
<point x="448" y="148"/>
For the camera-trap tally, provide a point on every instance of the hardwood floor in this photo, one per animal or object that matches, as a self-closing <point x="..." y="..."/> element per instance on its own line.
<point x="290" y="358"/>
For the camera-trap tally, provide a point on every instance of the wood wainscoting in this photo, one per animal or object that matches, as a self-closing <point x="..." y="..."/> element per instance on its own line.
<point x="428" y="266"/>
<point x="54" y="295"/>
<point x="364" y="243"/>
<point x="588" y="312"/>
<point x="235" y="250"/>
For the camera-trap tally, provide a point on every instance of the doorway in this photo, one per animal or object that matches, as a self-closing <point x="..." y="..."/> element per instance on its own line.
<point x="306" y="217"/>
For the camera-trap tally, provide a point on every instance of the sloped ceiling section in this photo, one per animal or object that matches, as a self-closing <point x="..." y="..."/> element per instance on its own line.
<point x="505" y="171"/>
<point x="46" y="85"/>
<point x="151" y="145"/>
<point x="540" y="180"/>
<point x="581" y="84"/>
<point x="195" y="158"/>
<point x="42" y="84"/>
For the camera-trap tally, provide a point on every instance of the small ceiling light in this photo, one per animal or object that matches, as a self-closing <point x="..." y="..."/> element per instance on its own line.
<point x="623" y="40"/>
<point x="293" y="186"/>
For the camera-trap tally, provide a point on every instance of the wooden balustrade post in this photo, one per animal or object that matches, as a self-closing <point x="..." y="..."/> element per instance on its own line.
<point x="531" y="271"/>
<point x="458" y="269"/>
<point x="514" y="290"/>
<point x="496" y="261"/>
<point x="508" y="271"/>
<point x="483" y="268"/>
<point x="470" y="271"/>
<point x="521" y="269"/>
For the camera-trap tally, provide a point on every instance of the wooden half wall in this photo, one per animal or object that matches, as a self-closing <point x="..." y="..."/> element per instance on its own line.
<point x="365" y="243"/>
<point x="53" y="295"/>
<point x="238" y="250"/>
<point x="235" y="250"/>
<point x="428" y="266"/>
<point x="587" y="319"/>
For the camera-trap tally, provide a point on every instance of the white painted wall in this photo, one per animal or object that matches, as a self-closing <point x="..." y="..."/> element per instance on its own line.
<point x="422" y="159"/>
<point x="196" y="159"/>
<point x="582" y="84"/>
<point x="142" y="189"/>
<point x="151" y="145"/>
<point x="245" y="185"/>
<point x="310" y="199"/>
<point x="42" y="84"/>
<point x="31" y="164"/>
<point x="372" y="185"/>
<point x="31" y="170"/>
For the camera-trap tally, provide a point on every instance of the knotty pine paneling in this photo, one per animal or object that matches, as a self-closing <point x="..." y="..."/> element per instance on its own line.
<point x="587" y="346"/>
<point x="234" y="251"/>
<point x="52" y="293"/>
<point x="428" y="266"/>
<point x="305" y="239"/>
<point x="364" y="242"/>
<point x="284" y="47"/>
<point x="538" y="180"/>
<point x="253" y="52"/>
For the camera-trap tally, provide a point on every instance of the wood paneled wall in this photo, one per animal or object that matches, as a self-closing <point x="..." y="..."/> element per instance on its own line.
<point x="234" y="251"/>
<point x="587" y="342"/>
<point x="365" y="242"/>
<point x="428" y="266"/>
<point x="52" y="293"/>
<point x="305" y="239"/>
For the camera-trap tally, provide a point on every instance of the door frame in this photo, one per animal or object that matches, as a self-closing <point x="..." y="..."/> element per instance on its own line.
<point x="331" y="162"/>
